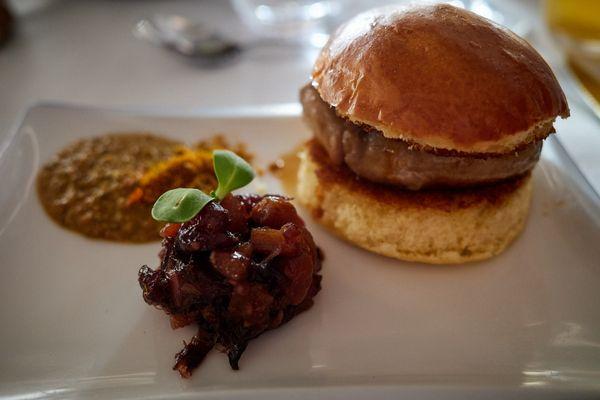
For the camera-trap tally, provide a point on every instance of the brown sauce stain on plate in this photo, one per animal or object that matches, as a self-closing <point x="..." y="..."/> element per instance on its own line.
<point x="285" y="168"/>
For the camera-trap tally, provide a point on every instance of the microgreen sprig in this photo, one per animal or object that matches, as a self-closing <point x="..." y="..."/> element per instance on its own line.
<point x="182" y="204"/>
<point x="232" y="171"/>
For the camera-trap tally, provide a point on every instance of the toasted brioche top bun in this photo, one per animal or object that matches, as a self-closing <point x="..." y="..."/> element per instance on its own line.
<point x="440" y="77"/>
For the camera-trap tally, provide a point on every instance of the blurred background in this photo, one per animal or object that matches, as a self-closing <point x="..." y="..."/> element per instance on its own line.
<point x="188" y="54"/>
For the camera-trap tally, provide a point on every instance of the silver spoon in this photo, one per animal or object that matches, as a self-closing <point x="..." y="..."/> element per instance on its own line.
<point x="205" y="46"/>
<point x="185" y="37"/>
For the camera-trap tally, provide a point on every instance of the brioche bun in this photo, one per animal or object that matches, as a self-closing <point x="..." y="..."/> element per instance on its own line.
<point x="437" y="227"/>
<point x="439" y="77"/>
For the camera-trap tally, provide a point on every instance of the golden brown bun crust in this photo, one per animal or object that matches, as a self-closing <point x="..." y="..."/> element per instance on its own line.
<point x="437" y="227"/>
<point x="441" y="77"/>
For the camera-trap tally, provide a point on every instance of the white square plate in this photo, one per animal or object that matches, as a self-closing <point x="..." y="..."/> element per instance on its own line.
<point x="73" y="322"/>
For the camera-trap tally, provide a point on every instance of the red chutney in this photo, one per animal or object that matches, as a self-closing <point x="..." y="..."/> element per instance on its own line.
<point x="237" y="269"/>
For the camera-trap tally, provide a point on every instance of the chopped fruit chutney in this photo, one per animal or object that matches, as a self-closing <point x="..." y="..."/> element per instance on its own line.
<point x="240" y="267"/>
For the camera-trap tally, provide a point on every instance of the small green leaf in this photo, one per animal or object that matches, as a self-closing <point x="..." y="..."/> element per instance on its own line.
<point x="179" y="205"/>
<point x="232" y="172"/>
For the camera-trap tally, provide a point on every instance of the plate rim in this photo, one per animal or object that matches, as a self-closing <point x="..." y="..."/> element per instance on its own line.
<point x="281" y="110"/>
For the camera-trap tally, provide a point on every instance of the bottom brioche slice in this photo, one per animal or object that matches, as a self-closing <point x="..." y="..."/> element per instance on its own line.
<point x="434" y="226"/>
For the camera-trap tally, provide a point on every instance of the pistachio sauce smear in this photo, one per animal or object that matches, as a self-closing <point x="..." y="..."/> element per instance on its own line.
<point x="86" y="186"/>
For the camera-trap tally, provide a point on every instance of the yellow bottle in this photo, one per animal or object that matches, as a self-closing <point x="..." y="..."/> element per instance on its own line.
<point x="576" y="25"/>
<point x="579" y="19"/>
